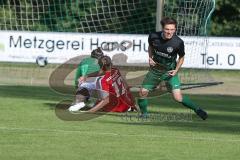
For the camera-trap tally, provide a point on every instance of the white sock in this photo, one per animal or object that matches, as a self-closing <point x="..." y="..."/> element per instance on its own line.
<point x="77" y="106"/>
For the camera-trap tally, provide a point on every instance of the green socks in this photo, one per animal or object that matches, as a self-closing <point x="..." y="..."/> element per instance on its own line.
<point x="143" y="103"/>
<point x="189" y="104"/>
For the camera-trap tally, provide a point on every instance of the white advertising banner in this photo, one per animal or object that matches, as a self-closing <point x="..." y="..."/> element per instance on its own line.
<point x="220" y="53"/>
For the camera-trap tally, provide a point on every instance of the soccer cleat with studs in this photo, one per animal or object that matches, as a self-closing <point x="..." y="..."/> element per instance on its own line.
<point x="202" y="114"/>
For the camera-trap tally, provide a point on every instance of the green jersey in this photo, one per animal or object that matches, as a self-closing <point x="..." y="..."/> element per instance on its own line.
<point x="85" y="67"/>
<point x="165" y="52"/>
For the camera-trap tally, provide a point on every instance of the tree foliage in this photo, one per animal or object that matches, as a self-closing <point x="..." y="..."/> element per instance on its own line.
<point x="115" y="16"/>
<point x="78" y="15"/>
<point x="226" y="18"/>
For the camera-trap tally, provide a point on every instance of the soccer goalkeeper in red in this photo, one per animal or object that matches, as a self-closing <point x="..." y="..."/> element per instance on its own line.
<point x="115" y="93"/>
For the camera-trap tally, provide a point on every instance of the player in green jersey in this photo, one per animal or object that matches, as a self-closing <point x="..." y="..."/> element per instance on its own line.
<point x="88" y="66"/>
<point x="164" y="48"/>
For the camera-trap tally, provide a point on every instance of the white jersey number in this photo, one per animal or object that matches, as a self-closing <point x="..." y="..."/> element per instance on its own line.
<point x="119" y="86"/>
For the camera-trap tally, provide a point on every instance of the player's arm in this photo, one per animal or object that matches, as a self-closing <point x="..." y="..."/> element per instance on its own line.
<point x="179" y="63"/>
<point x="96" y="74"/>
<point x="78" y="74"/>
<point x="81" y="73"/>
<point x="180" y="60"/>
<point x="178" y="66"/>
<point x="100" y="105"/>
<point x="150" y="55"/>
<point x="150" y="51"/>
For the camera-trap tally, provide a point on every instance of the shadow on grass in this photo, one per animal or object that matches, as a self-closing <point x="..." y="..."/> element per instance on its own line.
<point x="31" y="92"/>
<point x="222" y="109"/>
<point x="208" y="102"/>
<point x="226" y="124"/>
<point x="195" y="126"/>
<point x="51" y="106"/>
<point x="218" y="103"/>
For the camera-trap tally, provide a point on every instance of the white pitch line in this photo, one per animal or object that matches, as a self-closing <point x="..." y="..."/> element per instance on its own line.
<point x="121" y="135"/>
<point x="55" y="130"/>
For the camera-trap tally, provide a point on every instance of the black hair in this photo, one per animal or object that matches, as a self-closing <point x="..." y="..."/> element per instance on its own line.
<point x="105" y="62"/>
<point x="168" y="20"/>
<point x="97" y="53"/>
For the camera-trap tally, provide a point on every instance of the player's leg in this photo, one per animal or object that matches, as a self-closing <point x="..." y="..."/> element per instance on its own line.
<point x="142" y="100"/>
<point x="81" y="96"/>
<point x="83" y="93"/>
<point x="174" y="84"/>
<point x="177" y="95"/>
<point x="149" y="83"/>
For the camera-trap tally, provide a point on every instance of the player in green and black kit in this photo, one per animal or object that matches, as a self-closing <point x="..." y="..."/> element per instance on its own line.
<point x="164" y="48"/>
<point x="88" y="66"/>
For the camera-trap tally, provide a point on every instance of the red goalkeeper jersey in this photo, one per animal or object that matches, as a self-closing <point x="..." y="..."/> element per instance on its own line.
<point x="120" y="97"/>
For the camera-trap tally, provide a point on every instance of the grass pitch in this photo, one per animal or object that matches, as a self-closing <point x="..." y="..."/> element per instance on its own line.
<point x="30" y="129"/>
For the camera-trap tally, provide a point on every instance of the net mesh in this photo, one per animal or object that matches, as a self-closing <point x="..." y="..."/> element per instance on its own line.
<point x="103" y="16"/>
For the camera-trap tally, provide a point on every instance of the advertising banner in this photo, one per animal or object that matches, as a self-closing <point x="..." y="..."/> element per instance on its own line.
<point x="201" y="52"/>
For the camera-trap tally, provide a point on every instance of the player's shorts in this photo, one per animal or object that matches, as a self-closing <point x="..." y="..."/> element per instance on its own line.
<point x="152" y="80"/>
<point x="90" y="86"/>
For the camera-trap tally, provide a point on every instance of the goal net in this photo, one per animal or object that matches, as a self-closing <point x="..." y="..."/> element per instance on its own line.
<point x="193" y="17"/>
<point x="102" y="16"/>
